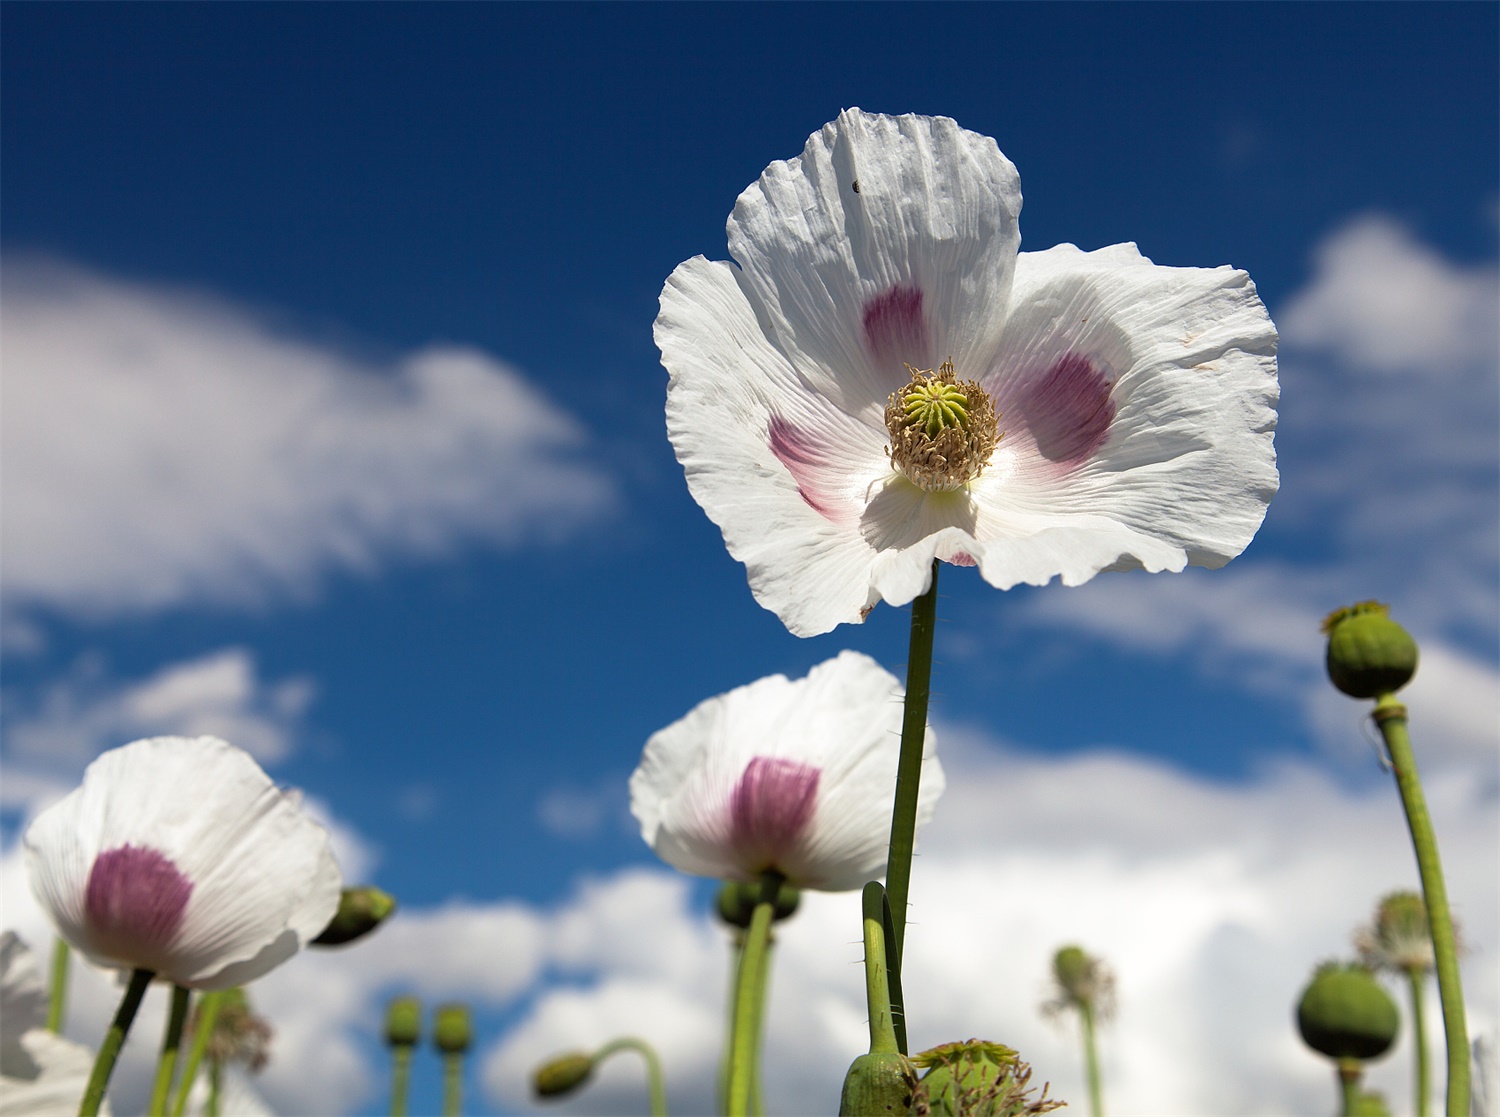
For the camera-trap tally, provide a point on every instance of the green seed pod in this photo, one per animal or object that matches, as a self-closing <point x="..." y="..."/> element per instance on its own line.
<point x="1345" y="1014"/>
<point x="976" y="1079"/>
<point x="1071" y="967"/>
<point x="403" y="1022"/>
<point x="361" y="910"/>
<point x="737" y="902"/>
<point x="562" y="1075"/>
<point x="1368" y="653"/>
<point x="877" y="1085"/>
<point x="451" y="1030"/>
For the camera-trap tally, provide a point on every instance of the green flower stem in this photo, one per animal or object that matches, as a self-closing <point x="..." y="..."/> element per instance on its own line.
<point x="208" y="1013"/>
<point x="453" y="1083"/>
<point x="908" y="780"/>
<point x="656" y="1084"/>
<point x="1349" y="1072"/>
<point x="400" y="1078"/>
<point x="171" y="1040"/>
<point x="114" y="1039"/>
<point x="749" y="996"/>
<point x="57" y="994"/>
<point x="1390" y="715"/>
<point x="1091" y="1058"/>
<point x="877" y="986"/>
<point x="215" y="1085"/>
<point x="1423" y="1082"/>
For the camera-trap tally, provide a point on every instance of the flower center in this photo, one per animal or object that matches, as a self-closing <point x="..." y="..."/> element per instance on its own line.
<point x="943" y="429"/>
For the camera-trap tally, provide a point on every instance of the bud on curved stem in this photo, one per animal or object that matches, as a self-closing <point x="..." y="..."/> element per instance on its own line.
<point x="882" y="1081"/>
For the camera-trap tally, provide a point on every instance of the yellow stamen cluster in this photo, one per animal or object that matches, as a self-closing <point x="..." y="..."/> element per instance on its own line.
<point x="943" y="429"/>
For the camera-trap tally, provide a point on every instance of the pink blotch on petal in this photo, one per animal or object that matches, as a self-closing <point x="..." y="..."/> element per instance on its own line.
<point x="962" y="558"/>
<point x="769" y="809"/>
<point x="134" y="903"/>
<point x="895" y="327"/>
<point x="1068" y="410"/>
<point x="796" y="450"/>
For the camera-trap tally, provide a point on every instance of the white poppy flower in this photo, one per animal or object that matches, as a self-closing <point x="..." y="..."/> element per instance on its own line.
<point x="180" y="856"/>
<point x="880" y="379"/>
<point x="795" y="777"/>
<point x="41" y="1074"/>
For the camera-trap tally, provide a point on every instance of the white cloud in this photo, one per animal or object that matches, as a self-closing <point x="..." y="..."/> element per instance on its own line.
<point x="49" y="738"/>
<point x="163" y="448"/>
<point x="1385" y="302"/>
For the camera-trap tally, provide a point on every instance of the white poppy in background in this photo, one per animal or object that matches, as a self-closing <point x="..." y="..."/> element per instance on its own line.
<point x="1099" y="412"/>
<point x="41" y="1074"/>
<point x="180" y="856"/>
<point x="795" y="777"/>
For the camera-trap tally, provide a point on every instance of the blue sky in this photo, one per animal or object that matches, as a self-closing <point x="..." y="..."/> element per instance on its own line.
<point x="343" y="232"/>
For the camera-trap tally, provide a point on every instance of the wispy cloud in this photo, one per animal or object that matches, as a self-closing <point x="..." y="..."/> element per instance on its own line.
<point x="165" y="448"/>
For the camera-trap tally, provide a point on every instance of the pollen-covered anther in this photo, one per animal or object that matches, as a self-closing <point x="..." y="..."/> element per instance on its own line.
<point x="943" y="429"/>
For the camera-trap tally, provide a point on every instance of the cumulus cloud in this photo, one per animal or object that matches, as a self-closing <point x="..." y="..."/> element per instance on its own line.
<point x="51" y="735"/>
<point x="1384" y="302"/>
<point x="164" y="448"/>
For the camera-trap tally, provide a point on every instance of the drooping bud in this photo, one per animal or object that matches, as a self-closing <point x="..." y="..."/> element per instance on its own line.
<point x="562" y="1075"/>
<point x="403" y="1022"/>
<point x="976" y="1079"/>
<point x="1368" y="653"/>
<point x="1345" y="1014"/>
<point x="451" y="1029"/>
<point x="878" y="1084"/>
<point x="737" y="902"/>
<point x="361" y="910"/>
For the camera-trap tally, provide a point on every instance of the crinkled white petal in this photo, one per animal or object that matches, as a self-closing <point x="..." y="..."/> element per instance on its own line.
<point x="55" y="1085"/>
<point x="1184" y="471"/>
<point x="934" y="215"/>
<point x="728" y="386"/>
<point x="23" y="1000"/>
<point x="843" y="719"/>
<point x="263" y="874"/>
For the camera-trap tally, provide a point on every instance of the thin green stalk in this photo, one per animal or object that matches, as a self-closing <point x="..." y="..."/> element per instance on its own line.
<point x="877" y="985"/>
<point x="1349" y="1072"/>
<point x="909" y="777"/>
<point x="656" y="1085"/>
<point x="1390" y="715"/>
<point x="208" y="1013"/>
<point x="400" y="1078"/>
<point x="215" y="1085"/>
<point x="171" y="1040"/>
<point x="1091" y="1057"/>
<point x="57" y="993"/>
<point x="114" y="1039"/>
<point x="745" y="1046"/>
<point x="736" y="952"/>
<point x="1423" y="1079"/>
<point x="453" y="1083"/>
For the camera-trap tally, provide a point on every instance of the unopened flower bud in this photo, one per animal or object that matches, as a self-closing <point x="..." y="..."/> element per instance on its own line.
<point x="1345" y="1014"/>
<point x="451" y="1030"/>
<point x="1368" y="653"/>
<point x="878" y="1084"/>
<point x="562" y="1075"/>
<point x="361" y="910"/>
<point x="403" y="1022"/>
<point x="737" y="902"/>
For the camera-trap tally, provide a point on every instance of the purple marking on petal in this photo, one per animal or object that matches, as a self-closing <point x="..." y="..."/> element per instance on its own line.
<point x="799" y="453"/>
<point x="962" y="558"/>
<point x="770" y="807"/>
<point x="135" y="903"/>
<point x="1068" y="410"/>
<point x="895" y="327"/>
